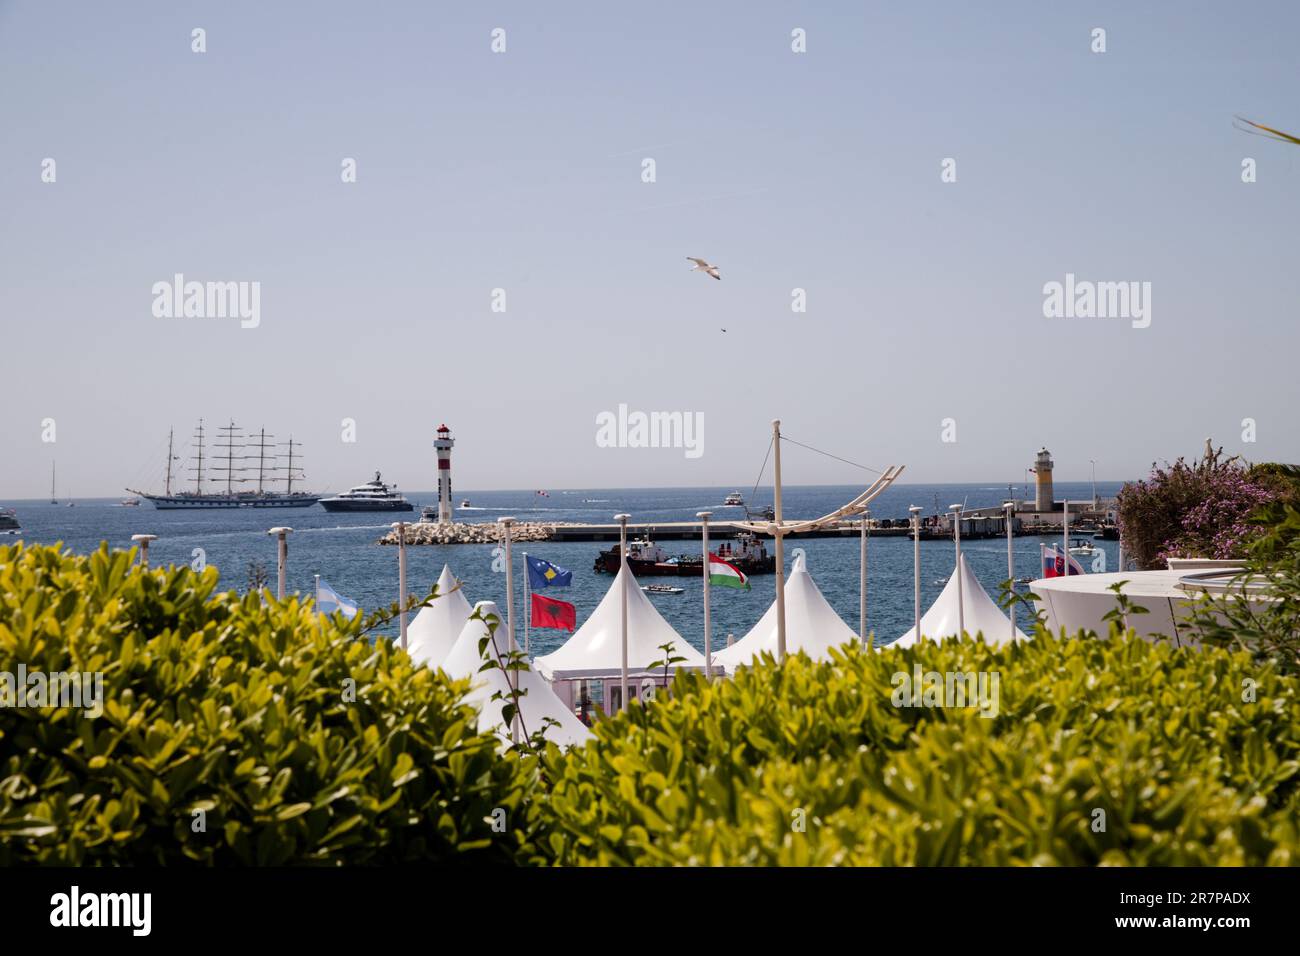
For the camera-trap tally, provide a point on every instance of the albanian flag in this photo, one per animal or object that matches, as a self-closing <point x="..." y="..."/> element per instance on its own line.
<point x="548" y="612"/>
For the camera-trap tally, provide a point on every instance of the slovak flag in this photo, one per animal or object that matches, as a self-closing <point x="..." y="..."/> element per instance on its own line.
<point x="1055" y="563"/>
<point x="1052" y="564"/>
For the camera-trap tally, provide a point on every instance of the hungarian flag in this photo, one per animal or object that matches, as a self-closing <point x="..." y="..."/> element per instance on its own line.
<point x="548" y="612"/>
<point x="722" y="574"/>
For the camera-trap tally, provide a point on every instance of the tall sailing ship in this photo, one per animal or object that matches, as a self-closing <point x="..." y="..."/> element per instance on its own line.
<point x="223" y="485"/>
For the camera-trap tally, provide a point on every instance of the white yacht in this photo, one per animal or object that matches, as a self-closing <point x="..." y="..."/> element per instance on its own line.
<point x="372" y="496"/>
<point x="733" y="500"/>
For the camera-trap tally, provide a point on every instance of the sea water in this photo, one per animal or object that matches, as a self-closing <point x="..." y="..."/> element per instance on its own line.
<point x="343" y="549"/>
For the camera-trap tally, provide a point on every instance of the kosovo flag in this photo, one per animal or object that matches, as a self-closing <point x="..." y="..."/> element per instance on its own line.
<point x="543" y="574"/>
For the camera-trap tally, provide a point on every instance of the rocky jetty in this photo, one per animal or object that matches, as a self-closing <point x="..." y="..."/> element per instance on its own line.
<point x="431" y="532"/>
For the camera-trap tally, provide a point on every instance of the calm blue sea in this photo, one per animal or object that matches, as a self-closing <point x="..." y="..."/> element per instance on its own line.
<point x="343" y="549"/>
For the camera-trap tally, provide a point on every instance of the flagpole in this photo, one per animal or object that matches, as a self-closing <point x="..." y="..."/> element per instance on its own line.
<point x="400" y="527"/>
<point x="862" y="582"/>
<point x="622" y="598"/>
<point x="1065" y="535"/>
<point x="528" y="611"/>
<point x="708" y="654"/>
<point x="780" y="544"/>
<point x="1011" y="564"/>
<point x="961" y="601"/>
<point x="916" y="567"/>
<point x="282" y="557"/>
<point x="1042" y="559"/>
<point x="510" y="620"/>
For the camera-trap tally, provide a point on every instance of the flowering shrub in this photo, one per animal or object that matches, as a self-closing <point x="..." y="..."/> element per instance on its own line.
<point x="1201" y="510"/>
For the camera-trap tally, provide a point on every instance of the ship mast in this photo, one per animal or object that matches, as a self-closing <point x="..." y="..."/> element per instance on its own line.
<point x="262" y="446"/>
<point x="198" y="476"/>
<point x="288" y="471"/>
<point x="170" y="434"/>
<point x="229" y="434"/>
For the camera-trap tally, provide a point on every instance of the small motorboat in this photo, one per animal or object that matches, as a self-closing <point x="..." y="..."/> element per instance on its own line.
<point x="733" y="500"/>
<point x="661" y="589"/>
<point x="464" y="503"/>
<point x="129" y="503"/>
<point x="9" y="522"/>
<point x="1083" y="547"/>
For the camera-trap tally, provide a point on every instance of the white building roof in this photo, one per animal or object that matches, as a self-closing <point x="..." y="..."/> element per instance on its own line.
<point x="596" y="650"/>
<point x="811" y="625"/>
<point x="433" y="631"/>
<point x="981" y="614"/>
<point x="538" y="703"/>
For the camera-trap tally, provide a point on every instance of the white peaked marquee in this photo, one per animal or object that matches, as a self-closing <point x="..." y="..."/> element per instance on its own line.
<point x="596" y="650"/>
<point x="429" y="638"/>
<point x="811" y="625"/>
<point x="981" y="614"/>
<point x="535" y="706"/>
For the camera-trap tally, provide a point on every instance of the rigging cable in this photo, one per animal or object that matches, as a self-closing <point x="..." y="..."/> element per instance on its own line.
<point x="876" y="471"/>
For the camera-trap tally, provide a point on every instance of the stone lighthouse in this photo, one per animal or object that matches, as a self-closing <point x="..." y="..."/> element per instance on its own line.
<point x="1044" y="499"/>
<point x="443" y="444"/>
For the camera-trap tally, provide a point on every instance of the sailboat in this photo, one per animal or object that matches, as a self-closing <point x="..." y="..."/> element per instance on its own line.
<point x="54" y="500"/>
<point x="230" y="440"/>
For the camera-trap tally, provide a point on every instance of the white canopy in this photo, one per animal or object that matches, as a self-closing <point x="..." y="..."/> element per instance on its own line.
<point x="430" y="636"/>
<point x="811" y="625"/>
<point x="537" y="704"/>
<point x="981" y="614"/>
<point x="596" y="649"/>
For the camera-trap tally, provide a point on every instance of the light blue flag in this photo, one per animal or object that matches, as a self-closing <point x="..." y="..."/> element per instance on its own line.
<point x="328" y="601"/>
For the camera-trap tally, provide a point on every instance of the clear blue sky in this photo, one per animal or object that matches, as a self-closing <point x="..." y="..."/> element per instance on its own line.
<point x="522" y="170"/>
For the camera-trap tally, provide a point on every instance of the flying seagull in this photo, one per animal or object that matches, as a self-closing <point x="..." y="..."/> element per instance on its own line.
<point x="702" y="266"/>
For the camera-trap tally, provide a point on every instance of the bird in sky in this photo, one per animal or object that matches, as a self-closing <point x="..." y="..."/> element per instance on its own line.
<point x="702" y="266"/>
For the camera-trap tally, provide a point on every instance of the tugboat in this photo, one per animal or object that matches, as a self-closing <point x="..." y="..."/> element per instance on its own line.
<point x="646" y="558"/>
<point x="9" y="522"/>
<point x="372" y="496"/>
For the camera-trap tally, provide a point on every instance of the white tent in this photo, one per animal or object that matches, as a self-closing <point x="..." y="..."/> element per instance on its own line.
<point x="811" y="625"/>
<point x="596" y="648"/>
<point x="537" y="704"/>
<point x="430" y="636"/>
<point x="980" y="613"/>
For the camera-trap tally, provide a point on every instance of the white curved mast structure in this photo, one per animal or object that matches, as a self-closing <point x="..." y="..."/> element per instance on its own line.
<point x="779" y="528"/>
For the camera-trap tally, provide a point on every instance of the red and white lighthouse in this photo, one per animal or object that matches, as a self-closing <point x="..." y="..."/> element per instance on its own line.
<point x="443" y="444"/>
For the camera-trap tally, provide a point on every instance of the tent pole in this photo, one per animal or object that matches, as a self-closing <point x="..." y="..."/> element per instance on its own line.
<point x="780" y="545"/>
<point x="708" y="653"/>
<point x="622" y="598"/>
<point x="961" y="603"/>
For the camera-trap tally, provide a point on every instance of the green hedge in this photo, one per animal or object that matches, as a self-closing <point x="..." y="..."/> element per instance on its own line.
<point x="1161" y="740"/>
<point x="236" y="708"/>
<point x="224" y="705"/>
